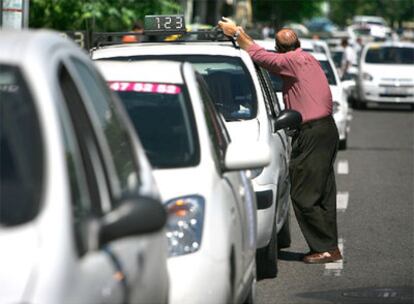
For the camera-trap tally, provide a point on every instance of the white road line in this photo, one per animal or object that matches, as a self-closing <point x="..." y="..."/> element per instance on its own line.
<point x="336" y="268"/>
<point x="342" y="199"/>
<point x="343" y="167"/>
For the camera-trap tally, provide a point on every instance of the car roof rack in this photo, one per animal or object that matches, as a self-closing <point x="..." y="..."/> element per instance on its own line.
<point x="101" y="39"/>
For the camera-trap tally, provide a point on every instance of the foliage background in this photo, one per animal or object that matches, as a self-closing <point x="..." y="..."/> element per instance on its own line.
<point x="99" y="15"/>
<point x="119" y="15"/>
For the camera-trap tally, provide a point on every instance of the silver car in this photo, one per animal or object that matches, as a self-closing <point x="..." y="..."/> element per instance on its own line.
<point x="80" y="216"/>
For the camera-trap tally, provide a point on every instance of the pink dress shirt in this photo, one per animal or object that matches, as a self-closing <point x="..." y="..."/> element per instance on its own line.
<point x="305" y="87"/>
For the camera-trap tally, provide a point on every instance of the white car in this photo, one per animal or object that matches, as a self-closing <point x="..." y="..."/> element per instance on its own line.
<point x="211" y="203"/>
<point x="386" y="74"/>
<point x="373" y="26"/>
<point x="80" y="215"/>
<point x="339" y="98"/>
<point x="339" y="95"/>
<point x="242" y="92"/>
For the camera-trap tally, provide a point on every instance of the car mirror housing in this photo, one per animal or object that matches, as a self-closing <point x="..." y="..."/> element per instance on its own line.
<point x="133" y="216"/>
<point x="288" y="119"/>
<point x="246" y="155"/>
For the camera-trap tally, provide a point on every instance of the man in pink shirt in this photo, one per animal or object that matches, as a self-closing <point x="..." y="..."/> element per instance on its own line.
<point x="314" y="146"/>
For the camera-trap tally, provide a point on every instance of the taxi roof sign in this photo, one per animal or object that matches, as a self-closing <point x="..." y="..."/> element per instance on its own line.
<point x="164" y="24"/>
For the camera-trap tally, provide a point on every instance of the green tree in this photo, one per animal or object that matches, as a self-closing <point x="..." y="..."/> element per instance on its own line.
<point x="97" y="15"/>
<point x="281" y="11"/>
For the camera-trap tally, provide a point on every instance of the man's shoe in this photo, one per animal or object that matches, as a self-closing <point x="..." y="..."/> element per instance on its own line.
<point x="323" y="257"/>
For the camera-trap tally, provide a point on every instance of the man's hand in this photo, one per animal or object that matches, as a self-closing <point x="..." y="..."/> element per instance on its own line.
<point x="229" y="27"/>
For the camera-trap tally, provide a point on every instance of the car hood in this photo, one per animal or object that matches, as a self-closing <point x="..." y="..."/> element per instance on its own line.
<point x="18" y="257"/>
<point x="387" y="71"/>
<point x="173" y="183"/>
<point x="244" y="130"/>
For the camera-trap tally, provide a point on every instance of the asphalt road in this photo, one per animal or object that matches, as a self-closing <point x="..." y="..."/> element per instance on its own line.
<point x="375" y="183"/>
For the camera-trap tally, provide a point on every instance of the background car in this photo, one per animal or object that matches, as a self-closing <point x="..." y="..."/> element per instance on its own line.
<point x="242" y="93"/>
<point x="80" y="216"/>
<point x="386" y="74"/>
<point x="339" y="98"/>
<point x="210" y="201"/>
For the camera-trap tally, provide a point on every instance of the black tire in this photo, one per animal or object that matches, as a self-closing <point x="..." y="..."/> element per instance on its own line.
<point x="283" y="237"/>
<point x="266" y="257"/>
<point x="360" y="105"/>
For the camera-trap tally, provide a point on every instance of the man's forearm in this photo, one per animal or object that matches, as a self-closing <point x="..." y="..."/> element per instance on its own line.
<point x="244" y="40"/>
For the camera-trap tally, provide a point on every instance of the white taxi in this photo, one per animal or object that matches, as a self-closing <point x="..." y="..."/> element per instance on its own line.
<point x="386" y="74"/>
<point x="211" y="203"/>
<point x="80" y="215"/>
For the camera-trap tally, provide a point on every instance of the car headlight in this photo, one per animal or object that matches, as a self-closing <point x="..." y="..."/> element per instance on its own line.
<point x="184" y="224"/>
<point x="366" y="76"/>
<point x="336" y="107"/>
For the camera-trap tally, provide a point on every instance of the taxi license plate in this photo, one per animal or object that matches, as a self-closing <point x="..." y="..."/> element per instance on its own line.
<point x="396" y="90"/>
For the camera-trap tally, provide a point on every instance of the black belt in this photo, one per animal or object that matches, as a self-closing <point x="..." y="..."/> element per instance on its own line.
<point x="316" y="122"/>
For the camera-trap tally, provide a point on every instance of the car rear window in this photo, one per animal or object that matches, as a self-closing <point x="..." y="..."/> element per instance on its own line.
<point x="163" y="118"/>
<point x="228" y="79"/>
<point x="390" y="55"/>
<point x="21" y="150"/>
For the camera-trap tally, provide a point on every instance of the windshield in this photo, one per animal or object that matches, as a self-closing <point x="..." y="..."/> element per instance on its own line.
<point x="277" y="82"/>
<point x="390" y="55"/>
<point x="228" y="79"/>
<point x="163" y="120"/>
<point x="21" y="153"/>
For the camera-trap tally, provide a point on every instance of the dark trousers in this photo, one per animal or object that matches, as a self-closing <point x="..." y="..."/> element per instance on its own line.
<point x="313" y="187"/>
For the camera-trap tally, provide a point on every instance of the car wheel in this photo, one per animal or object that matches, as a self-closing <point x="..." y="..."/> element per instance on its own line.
<point x="358" y="104"/>
<point x="266" y="257"/>
<point x="283" y="237"/>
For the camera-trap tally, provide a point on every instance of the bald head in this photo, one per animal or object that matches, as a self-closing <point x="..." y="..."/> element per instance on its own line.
<point x="287" y="40"/>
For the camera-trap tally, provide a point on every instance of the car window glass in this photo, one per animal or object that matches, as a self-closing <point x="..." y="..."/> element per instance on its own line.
<point x="82" y="207"/>
<point x="21" y="150"/>
<point x="329" y="73"/>
<point x="114" y="130"/>
<point x="219" y="138"/>
<point x="390" y="55"/>
<point x="163" y="117"/>
<point x="276" y="106"/>
<point x="96" y="179"/>
<point x="228" y="78"/>
<point x="266" y="95"/>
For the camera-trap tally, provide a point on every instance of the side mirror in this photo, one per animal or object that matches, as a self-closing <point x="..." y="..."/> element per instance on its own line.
<point x="134" y="216"/>
<point x="288" y="119"/>
<point x="246" y="155"/>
